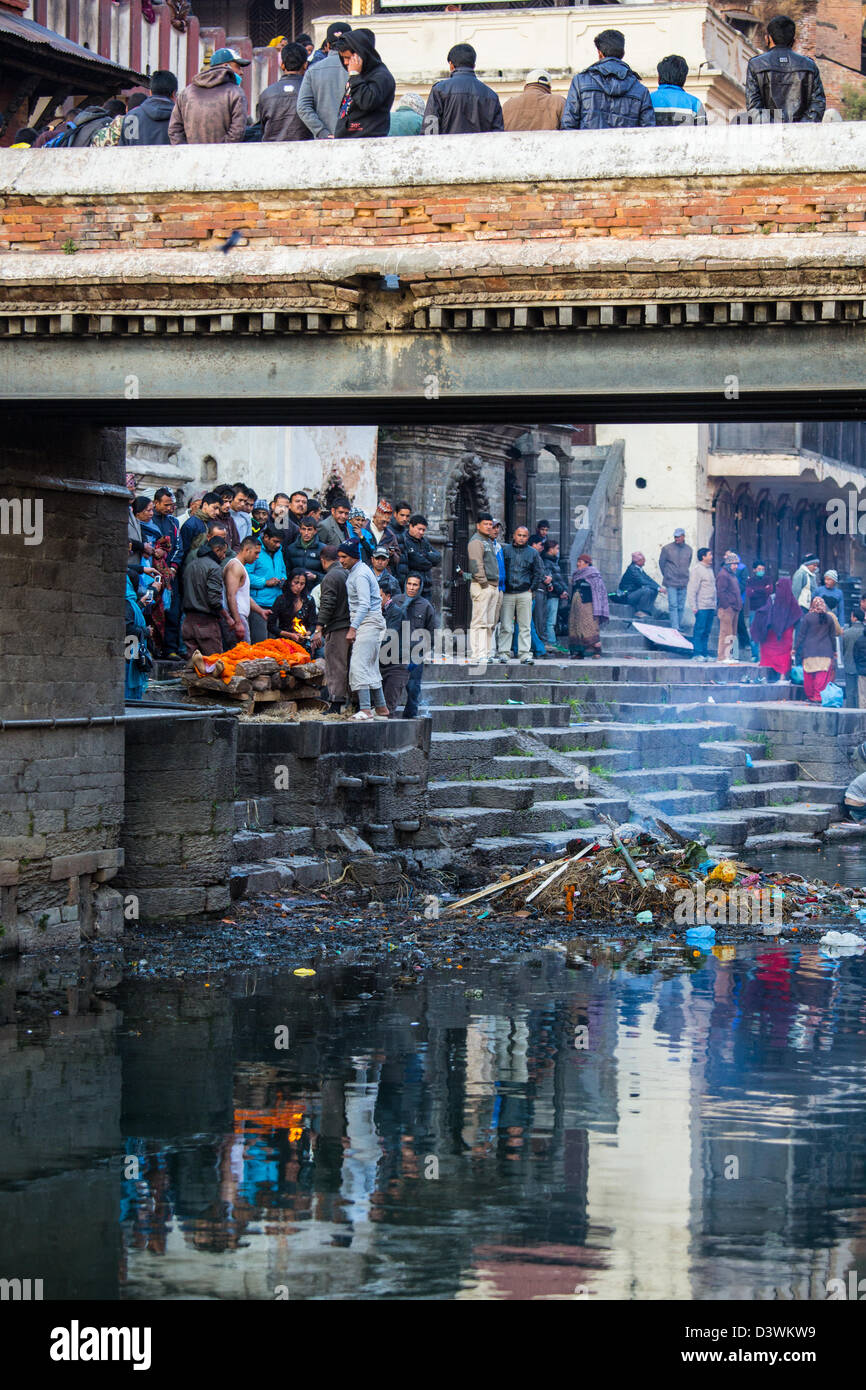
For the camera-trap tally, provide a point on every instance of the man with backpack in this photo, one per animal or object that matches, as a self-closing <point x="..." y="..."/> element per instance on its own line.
<point x="79" y="130"/>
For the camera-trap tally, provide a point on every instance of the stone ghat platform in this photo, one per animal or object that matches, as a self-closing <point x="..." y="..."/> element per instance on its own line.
<point x="506" y="766"/>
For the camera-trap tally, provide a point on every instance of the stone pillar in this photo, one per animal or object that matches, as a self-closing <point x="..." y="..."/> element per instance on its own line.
<point x="63" y="510"/>
<point x="433" y="467"/>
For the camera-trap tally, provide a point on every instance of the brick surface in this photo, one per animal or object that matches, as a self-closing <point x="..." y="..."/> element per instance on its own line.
<point x="733" y="204"/>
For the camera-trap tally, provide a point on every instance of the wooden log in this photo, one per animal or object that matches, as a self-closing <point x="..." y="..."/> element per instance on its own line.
<point x="236" y="687"/>
<point x="265" y="697"/>
<point x="257" y="666"/>
<point x="261" y="682"/>
<point x="313" y="671"/>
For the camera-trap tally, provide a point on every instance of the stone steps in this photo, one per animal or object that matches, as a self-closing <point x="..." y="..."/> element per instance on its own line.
<point x="459" y="823"/>
<point x="773" y="794"/>
<point x="699" y="777"/>
<point x="480" y="718"/>
<point x="771" y="770"/>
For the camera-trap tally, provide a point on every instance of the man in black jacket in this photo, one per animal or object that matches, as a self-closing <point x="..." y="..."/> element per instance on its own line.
<point x="524" y="573"/>
<point x="278" y="104"/>
<point x="418" y="555"/>
<point x="147" y="124"/>
<point x="366" y="106"/>
<point x="305" y="551"/>
<point x="608" y="94"/>
<point x="461" y="104"/>
<point x="783" y="81"/>
<point x="639" y="588"/>
<point x="419" y="615"/>
<point x="333" y="624"/>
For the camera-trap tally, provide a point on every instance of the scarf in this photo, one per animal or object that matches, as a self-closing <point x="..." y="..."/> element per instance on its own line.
<point x="778" y="615"/>
<point x="598" y="589"/>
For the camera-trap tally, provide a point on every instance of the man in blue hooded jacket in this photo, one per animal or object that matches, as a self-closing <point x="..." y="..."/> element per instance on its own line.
<point x="607" y="95"/>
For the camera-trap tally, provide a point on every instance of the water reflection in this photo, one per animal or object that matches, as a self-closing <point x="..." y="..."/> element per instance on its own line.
<point x="707" y="1141"/>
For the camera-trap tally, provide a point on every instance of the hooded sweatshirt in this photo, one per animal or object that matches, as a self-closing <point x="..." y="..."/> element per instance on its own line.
<point x="605" y="96"/>
<point x="147" y="124"/>
<point x="366" y="106"/>
<point x="320" y="95"/>
<point x="212" y="110"/>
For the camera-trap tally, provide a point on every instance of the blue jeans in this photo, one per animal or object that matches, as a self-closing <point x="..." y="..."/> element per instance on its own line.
<point x="676" y="607"/>
<point x="413" y="690"/>
<point x="701" y="635"/>
<point x="551" y="608"/>
<point x="538" y="647"/>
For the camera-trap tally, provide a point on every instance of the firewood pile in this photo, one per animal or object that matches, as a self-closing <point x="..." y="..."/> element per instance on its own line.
<point x="251" y="678"/>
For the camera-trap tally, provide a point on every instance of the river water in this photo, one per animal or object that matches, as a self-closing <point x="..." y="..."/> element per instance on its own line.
<point x="654" y="1124"/>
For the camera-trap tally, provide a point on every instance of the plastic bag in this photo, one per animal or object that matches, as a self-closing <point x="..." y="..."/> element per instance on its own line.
<point x="832" y="696"/>
<point x="796" y="675"/>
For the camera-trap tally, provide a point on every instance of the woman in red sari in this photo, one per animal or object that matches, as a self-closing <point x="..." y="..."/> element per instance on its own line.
<point x="773" y="628"/>
<point x="816" y="648"/>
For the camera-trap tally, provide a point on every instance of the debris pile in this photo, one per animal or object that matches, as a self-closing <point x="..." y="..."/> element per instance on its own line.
<point x="638" y="877"/>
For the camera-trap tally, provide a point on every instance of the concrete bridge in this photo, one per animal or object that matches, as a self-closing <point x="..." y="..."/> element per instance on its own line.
<point x="660" y="272"/>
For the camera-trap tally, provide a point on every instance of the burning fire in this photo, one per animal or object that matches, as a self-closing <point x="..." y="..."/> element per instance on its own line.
<point x="298" y="627"/>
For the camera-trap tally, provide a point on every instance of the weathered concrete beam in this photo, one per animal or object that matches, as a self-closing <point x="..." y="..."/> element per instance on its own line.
<point x="534" y="156"/>
<point x="300" y="373"/>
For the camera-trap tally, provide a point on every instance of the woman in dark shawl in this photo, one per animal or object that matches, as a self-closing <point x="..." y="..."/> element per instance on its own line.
<point x="589" y="609"/>
<point x="293" y="602"/>
<point x="773" y="629"/>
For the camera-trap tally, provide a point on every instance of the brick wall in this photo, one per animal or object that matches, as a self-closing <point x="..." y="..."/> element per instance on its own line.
<point x="61" y="656"/>
<point x="730" y="206"/>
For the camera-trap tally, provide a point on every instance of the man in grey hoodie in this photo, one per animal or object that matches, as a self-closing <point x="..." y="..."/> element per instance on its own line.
<point x="324" y="86"/>
<point x="212" y="110"/>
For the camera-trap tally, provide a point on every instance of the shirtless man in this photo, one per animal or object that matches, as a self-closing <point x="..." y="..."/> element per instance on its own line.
<point x="237" y="586"/>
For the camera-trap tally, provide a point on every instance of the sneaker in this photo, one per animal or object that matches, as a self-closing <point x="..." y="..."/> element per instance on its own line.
<point x="528" y="661"/>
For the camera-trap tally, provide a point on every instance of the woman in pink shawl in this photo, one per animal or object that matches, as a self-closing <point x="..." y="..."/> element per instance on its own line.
<point x="589" y="609"/>
<point x="773" y="628"/>
<point x="816" y="648"/>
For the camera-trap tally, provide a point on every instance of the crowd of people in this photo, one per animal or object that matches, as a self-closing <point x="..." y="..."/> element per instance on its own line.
<point x="238" y="568"/>
<point x="343" y="90"/>
<point x="357" y="591"/>
<point x="796" y="625"/>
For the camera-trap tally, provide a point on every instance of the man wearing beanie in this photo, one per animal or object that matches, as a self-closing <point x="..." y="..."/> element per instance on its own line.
<point x="323" y="86"/>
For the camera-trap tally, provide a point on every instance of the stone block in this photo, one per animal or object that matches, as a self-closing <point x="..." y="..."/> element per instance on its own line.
<point x="169" y="902"/>
<point x="22" y="846"/>
<point x="217" y="897"/>
<point x="8" y="872"/>
<point x="108" y="919"/>
<point x="72" y="865"/>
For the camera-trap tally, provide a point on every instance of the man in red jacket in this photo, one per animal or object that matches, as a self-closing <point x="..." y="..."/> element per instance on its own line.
<point x="212" y="110"/>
